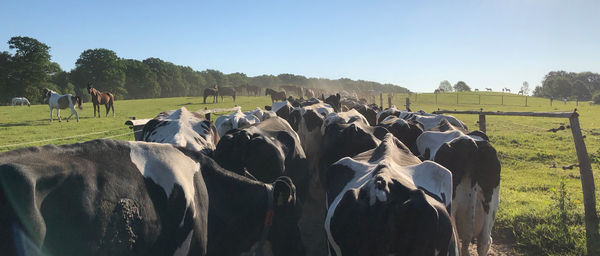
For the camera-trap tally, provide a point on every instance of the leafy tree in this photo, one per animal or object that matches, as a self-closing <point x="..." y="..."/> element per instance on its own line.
<point x="558" y="87"/>
<point x="461" y="86"/>
<point x="28" y="70"/>
<point x="291" y="79"/>
<point x="445" y="86"/>
<point x="237" y="79"/>
<point x="215" y="77"/>
<point x="103" y="69"/>
<point x="580" y="91"/>
<point x="62" y="82"/>
<point x="525" y="88"/>
<point x="140" y="81"/>
<point x="194" y="80"/>
<point x="169" y="77"/>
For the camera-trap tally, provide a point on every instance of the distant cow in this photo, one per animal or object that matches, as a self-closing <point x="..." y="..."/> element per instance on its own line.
<point x="386" y="202"/>
<point x="488" y="89"/>
<point x="407" y="131"/>
<point x="475" y="171"/>
<point x="261" y="114"/>
<point x="182" y="128"/>
<point x="235" y="120"/>
<point x="107" y="197"/>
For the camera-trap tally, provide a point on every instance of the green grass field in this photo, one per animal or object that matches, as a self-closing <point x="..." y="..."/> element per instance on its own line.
<point x="541" y="208"/>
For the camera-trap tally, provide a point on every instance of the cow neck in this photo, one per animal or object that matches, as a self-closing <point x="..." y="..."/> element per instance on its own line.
<point x="258" y="249"/>
<point x="232" y="196"/>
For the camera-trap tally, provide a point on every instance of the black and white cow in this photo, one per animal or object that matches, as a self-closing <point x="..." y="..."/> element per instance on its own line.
<point x="182" y="128"/>
<point x="345" y="117"/>
<point x="407" y="131"/>
<point x="282" y="109"/>
<point x="476" y="181"/>
<point x="430" y="121"/>
<point x="385" y="201"/>
<point x="369" y="112"/>
<point x="107" y="197"/>
<point x="334" y="101"/>
<point x="266" y="150"/>
<point x="347" y="140"/>
<point x="235" y="120"/>
<point x="261" y="114"/>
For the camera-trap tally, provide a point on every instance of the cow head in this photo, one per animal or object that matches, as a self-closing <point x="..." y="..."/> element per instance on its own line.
<point x="284" y="234"/>
<point x="335" y="102"/>
<point x="405" y="131"/>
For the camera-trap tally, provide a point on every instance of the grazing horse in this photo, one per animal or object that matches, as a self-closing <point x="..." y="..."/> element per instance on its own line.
<point x="254" y="89"/>
<point x="437" y="91"/>
<point x="521" y="92"/>
<point x="20" y="101"/>
<point x="275" y="95"/>
<point x="488" y="89"/>
<point x="60" y="101"/>
<point x="211" y="92"/>
<point x="227" y="91"/>
<point x="101" y="98"/>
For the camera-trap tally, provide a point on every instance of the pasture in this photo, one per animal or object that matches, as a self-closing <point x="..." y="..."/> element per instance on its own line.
<point x="541" y="208"/>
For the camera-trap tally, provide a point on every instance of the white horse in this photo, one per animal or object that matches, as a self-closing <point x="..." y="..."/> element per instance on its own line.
<point x="20" y="101"/>
<point x="60" y="101"/>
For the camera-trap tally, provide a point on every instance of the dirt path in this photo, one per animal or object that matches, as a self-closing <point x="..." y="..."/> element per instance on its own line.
<point x="497" y="249"/>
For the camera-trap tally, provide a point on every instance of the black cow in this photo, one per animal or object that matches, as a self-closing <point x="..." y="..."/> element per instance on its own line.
<point x="107" y="197"/>
<point x="386" y="202"/>
<point x="266" y="150"/>
<point x="407" y="131"/>
<point x="369" y="112"/>
<point x="334" y="101"/>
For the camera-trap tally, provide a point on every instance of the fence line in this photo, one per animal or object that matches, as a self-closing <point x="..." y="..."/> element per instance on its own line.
<point x="63" y="138"/>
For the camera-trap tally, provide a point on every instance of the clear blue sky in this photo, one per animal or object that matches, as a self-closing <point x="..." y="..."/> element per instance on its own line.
<point x="415" y="44"/>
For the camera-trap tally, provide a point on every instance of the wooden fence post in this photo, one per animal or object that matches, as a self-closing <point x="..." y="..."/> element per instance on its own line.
<point x="436" y="99"/>
<point x="502" y="100"/>
<point x="389" y="101"/>
<point x="381" y="99"/>
<point x="482" y="123"/>
<point x="407" y="104"/>
<point x="588" y="187"/>
<point x="457" y="98"/>
<point x="479" y="102"/>
<point x="525" y="101"/>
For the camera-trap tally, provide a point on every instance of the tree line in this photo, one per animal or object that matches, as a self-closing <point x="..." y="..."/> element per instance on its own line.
<point x="30" y="68"/>
<point x="569" y="85"/>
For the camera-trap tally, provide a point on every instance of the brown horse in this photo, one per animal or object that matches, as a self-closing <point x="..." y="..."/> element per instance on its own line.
<point x="275" y="95"/>
<point x="211" y="92"/>
<point x="101" y="98"/>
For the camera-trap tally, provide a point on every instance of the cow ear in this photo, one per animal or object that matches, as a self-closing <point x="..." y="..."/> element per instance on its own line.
<point x="380" y="132"/>
<point x="284" y="191"/>
<point x="479" y="134"/>
<point x="337" y="95"/>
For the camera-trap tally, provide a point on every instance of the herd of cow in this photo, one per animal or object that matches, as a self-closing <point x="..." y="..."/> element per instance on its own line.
<point x="301" y="178"/>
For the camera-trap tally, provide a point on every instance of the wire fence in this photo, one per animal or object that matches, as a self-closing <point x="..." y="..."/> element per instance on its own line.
<point x="71" y="137"/>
